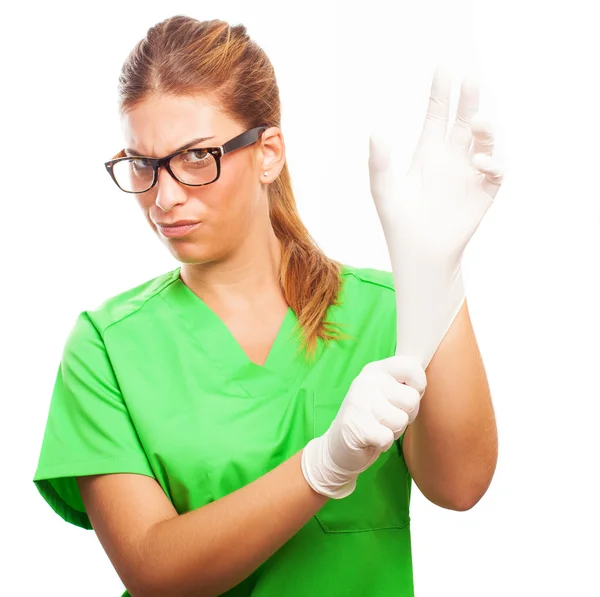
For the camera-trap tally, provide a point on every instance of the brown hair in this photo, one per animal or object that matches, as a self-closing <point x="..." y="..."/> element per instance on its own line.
<point x="182" y="56"/>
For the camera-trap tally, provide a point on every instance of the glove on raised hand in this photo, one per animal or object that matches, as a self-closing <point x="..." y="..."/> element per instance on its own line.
<point x="429" y="215"/>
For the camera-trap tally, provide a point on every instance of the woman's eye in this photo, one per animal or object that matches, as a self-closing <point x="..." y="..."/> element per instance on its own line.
<point x="140" y="163"/>
<point x="198" y="155"/>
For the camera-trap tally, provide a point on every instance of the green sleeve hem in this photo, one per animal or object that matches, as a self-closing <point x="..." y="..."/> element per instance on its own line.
<point x="48" y="478"/>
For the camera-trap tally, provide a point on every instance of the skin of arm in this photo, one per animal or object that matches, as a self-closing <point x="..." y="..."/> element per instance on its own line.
<point x="204" y="552"/>
<point x="451" y="449"/>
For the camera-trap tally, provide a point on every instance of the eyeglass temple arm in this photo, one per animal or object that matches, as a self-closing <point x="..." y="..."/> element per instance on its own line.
<point x="244" y="139"/>
<point x="237" y="143"/>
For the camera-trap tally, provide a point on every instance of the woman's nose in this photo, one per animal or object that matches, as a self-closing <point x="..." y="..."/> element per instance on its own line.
<point x="170" y="192"/>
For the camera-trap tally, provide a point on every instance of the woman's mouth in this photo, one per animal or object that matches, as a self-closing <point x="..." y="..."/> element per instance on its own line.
<point x="177" y="231"/>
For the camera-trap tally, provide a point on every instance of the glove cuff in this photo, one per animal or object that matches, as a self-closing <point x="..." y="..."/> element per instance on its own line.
<point x="320" y="476"/>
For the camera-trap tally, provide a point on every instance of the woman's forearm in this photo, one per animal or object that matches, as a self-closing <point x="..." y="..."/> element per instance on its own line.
<point x="451" y="449"/>
<point x="209" y="550"/>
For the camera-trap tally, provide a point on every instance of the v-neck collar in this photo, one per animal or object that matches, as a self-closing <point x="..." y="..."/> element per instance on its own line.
<point x="209" y="332"/>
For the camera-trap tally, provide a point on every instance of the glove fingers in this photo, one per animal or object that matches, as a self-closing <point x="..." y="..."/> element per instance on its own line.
<point x="483" y="138"/>
<point x="492" y="174"/>
<point x="381" y="171"/>
<point x="436" y="119"/>
<point x="375" y="434"/>
<point x="468" y="104"/>
<point x="402" y="397"/>
<point x="394" y="418"/>
<point x="404" y="369"/>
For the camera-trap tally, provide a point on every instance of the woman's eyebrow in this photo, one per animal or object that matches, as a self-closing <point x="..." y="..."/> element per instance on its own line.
<point x="186" y="146"/>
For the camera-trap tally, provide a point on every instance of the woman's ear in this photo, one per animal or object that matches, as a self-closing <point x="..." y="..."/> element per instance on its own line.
<point x="272" y="154"/>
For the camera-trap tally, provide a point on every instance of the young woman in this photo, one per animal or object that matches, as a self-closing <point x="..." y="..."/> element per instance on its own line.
<point x="237" y="426"/>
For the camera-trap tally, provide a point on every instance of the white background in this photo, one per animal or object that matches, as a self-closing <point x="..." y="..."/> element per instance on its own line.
<point x="71" y="239"/>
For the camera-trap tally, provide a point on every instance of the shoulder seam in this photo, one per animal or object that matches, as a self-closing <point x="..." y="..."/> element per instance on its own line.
<point x="153" y="295"/>
<point x="368" y="281"/>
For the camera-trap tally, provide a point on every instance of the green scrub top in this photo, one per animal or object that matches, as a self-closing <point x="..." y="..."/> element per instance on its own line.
<point x="152" y="382"/>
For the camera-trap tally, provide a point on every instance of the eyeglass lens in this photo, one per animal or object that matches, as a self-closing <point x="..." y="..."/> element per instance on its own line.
<point x="193" y="167"/>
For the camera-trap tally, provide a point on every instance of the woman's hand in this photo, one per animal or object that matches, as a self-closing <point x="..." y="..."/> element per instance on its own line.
<point x="429" y="215"/>
<point x="382" y="400"/>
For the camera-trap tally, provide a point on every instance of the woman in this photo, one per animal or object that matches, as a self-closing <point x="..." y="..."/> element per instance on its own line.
<point x="237" y="426"/>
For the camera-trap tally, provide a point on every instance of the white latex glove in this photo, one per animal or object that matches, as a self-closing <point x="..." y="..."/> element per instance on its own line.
<point x="429" y="215"/>
<point x="382" y="400"/>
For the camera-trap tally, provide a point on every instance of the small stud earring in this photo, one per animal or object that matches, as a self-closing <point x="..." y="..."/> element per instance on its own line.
<point x="265" y="173"/>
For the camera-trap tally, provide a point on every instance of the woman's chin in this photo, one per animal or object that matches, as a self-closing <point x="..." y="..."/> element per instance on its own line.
<point x="190" y="253"/>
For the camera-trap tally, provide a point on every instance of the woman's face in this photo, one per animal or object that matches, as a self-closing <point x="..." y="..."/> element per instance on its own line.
<point x="225" y="209"/>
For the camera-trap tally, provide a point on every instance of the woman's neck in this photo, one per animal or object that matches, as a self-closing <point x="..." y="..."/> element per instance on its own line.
<point x="248" y="276"/>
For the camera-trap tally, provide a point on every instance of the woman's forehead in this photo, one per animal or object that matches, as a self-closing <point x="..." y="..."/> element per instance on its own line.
<point x="162" y="124"/>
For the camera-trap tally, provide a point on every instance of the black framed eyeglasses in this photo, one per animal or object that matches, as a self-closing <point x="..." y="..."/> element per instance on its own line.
<point x="195" y="167"/>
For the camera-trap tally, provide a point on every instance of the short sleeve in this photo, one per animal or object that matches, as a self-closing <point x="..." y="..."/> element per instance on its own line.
<point x="89" y="430"/>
